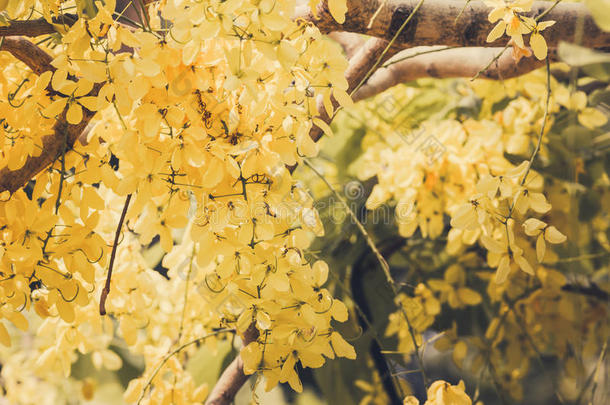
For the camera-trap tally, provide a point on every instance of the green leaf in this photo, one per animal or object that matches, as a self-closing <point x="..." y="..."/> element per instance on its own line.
<point x="578" y="137"/>
<point x="206" y="365"/>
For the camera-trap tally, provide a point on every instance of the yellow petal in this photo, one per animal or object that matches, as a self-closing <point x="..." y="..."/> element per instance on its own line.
<point x="545" y="24"/>
<point x="503" y="269"/>
<point x="592" y="118"/>
<point x="540" y="248"/>
<point x="341" y="347"/>
<point x="74" y="114"/>
<point x="342" y="97"/>
<point x="552" y="235"/>
<point x="538" y="45"/>
<point x="55" y="108"/>
<point x="338" y="9"/>
<point x="533" y="226"/>
<point x="90" y="103"/>
<point x="323" y="126"/>
<point x="524" y="264"/>
<point x="469" y="297"/>
<point x="496" y="32"/>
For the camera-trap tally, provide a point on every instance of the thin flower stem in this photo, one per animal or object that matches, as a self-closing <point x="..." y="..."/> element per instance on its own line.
<point x="491" y="62"/>
<point x="394" y="61"/>
<point x="384" y="265"/>
<point x="176" y="351"/>
<point x="544" y="121"/>
<point x="186" y="295"/>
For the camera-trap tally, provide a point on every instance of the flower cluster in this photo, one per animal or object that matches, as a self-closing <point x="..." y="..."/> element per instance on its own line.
<point x="198" y="109"/>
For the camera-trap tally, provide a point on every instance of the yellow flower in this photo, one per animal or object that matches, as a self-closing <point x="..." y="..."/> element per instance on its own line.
<point x="510" y="22"/>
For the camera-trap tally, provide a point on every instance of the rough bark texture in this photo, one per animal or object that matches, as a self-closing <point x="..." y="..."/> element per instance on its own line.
<point x="34" y="28"/>
<point x="437" y="22"/>
<point x="457" y="62"/>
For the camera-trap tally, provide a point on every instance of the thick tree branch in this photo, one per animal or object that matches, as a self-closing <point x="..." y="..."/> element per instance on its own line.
<point x="419" y="62"/>
<point x="437" y="22"/>
<point x="233" y="377"/>
<point x="64" y="134"/>
<point x="350" y="42"/>
<point x="37" y="27"/>
<point x="33" y="56"/>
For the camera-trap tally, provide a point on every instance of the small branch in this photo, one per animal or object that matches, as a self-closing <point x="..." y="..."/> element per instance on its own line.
<point x="233" y="377"/>
<point x="35" y="28"/>
<point x="592" y="290"/>
<point x="29" y="53"/>
<point x="443" y="62"/>
<point x="106" y="289"/>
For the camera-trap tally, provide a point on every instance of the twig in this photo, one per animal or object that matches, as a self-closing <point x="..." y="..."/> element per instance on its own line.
<point x="401" y="59"/>
<point x="106" y="289"/>
<point x="176" y="351"/>
<point x="382" y="5"/>
<point x="544" y="121"/>
<point x="186" y="295"/>
<point x="384" y="265"/>
<point x="592" y="291"/>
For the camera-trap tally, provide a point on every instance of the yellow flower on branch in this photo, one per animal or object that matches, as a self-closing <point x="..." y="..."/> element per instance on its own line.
<point x="510" y="23"/>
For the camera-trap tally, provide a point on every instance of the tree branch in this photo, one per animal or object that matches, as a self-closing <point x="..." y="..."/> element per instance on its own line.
<point x="37" y="27"/>
<point x="438" y="62"/>
<point x="438" y="22"/>
<point x="233" y="377"/>
<point x="64" y="134"/>
<point x="115" y="246"/>
<point x="349" y="41"/>
<point x="33" y="56"/>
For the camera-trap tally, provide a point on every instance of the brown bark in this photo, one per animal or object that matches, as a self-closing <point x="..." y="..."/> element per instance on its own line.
<point x="37" y="27"/>
<point x="457" y="62"/>
<point x="33" y="56"/>
<point x="437" y="22"/>
<point x="233" y="377"/>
